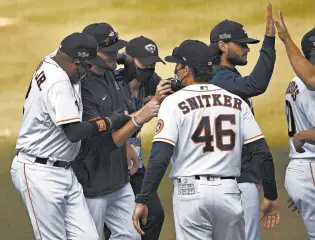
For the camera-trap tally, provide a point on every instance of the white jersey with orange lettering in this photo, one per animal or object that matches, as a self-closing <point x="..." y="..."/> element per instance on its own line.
<point x="299" y="176"/>
<point x="51" y="101"/>
<point x="41" y="170"/>
<point x="299" y="109"/>
<point x="206" y="124"/>
<point x="208" y="127"/>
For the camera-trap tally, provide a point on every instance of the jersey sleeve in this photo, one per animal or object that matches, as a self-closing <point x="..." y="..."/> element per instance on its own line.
<point x="251" y="129"/>
<point x="307" y="103"/>
<point x="166" y="126"/>
<point x="63" y="104"/>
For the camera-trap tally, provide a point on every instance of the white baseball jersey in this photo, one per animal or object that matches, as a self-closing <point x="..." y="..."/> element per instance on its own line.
<point x="300" y="112"/>
<point x="50" y="102"/>
<point x="208" y="126"/>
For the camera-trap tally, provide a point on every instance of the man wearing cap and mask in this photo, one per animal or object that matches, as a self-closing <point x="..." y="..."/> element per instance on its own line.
<point x="140" y="82"/>
<point x="300" y="114"/>
<point x="103" y="172"/>
<point x="229" y="43"/>
<point x="49" y="140"/>
<point x="193" y="126"/>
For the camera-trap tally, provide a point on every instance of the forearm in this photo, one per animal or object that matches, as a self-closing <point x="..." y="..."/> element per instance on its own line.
<point x="122" y="135"/>
<point x="262" y="72"/>
<point x="261" y="154"/>
<point x="302" y="67"/>
<point x="159" y="159"/>
<point x="307" y="136"/>
<point x="78" y="130"/>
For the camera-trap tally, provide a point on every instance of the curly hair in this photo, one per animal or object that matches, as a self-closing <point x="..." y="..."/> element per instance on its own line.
<point x="216" y="53"/>
<point x="203" y="73"/>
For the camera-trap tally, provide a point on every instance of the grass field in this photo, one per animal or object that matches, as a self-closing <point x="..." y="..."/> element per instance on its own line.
<point x="30" y="29"/>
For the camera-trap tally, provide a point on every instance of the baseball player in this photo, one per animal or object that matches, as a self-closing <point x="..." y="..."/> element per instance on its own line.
<point x="49" y="139"/>
<point x="299" y="109"/>
<point x="201" y="127"/>
<point x="229" y="43"/>
<point x="302" y="67"/>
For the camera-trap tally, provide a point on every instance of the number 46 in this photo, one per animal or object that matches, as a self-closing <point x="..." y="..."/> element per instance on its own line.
<point x="207" y="137"/>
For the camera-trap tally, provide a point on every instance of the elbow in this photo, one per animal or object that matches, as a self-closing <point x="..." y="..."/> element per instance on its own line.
<point x="73" y="139"/>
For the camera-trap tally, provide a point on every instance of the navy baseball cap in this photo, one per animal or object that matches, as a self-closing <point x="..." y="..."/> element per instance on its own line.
<point x="106" y="37"/>
<point x="192" y="53"/>
<point x="308" y="41"/>
<point x="145" y="50"/>
<point x="232" y="32"/>
<point x="82" y="47"/>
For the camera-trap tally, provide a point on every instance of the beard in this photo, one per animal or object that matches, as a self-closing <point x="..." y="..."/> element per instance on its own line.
<point x="235" y="59"/>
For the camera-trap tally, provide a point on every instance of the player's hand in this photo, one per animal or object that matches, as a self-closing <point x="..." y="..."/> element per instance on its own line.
<point x="149" y="111"/>
<point x="298" y="143"/>
<point x="270" y="25"/>
<point x="163" y="89"/>
<point x="123" y="58"/>
<point x="283" y="32"/>
<point x="141" y="211"/>
<point x="118" y="119"/>
<point x="292" y="204"/>
<point x="269" y="213"/>
<point x="133" y="160"/>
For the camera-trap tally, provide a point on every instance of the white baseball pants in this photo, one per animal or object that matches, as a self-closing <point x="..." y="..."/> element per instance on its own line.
<point x="54" y="200"/>
<point x="116" y="211"/>
<point x="300" y="185"/>
<point x="250" y="203"/>
<point x="207" y="208"/>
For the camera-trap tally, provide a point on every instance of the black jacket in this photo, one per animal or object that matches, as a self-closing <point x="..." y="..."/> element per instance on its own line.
<point x="98" y="170"/>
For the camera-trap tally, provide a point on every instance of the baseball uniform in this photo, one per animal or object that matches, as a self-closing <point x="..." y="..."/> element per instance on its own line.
<point x="207" y="127"/>
<point x="299" y="177"/>
<point x="41" y="169"/>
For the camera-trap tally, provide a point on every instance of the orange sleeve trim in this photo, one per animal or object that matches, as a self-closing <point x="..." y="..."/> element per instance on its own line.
<point x="69" y="119"/>
<point x="169" y="140"/>
<point x="202" y="90"/>
<point x="253" y="137"/>
<point x="29" y="194"/>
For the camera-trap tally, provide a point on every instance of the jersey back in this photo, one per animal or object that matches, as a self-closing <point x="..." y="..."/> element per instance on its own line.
<point x="300" y="113"/>
<point x="208" y="127"/>
<point x="51" y="101"/>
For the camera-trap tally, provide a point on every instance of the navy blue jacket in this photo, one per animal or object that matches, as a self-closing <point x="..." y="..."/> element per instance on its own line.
<point x="246" y="87"/>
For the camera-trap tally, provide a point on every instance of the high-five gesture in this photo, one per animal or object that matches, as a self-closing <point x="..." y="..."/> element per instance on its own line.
<point x="281" y="28"/>
<point x="270" y="25"/>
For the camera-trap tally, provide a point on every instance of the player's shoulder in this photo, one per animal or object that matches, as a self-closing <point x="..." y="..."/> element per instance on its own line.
<point x="298" y="90"/>
<point x="52" y="70"/>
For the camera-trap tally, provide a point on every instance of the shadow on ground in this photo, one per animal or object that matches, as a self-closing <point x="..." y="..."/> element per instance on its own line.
<point x="15" y="225"/>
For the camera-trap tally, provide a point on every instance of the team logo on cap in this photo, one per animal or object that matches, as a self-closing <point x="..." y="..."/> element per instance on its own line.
<point x="83" y="54"/>
<point x="111" y="33"/>
<point x="225" y="36"/>
<point x="244" y="29"/>
<point x="150" y="48"/>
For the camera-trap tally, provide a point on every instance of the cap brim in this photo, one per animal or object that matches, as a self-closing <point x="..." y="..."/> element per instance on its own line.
<point x="172" y="59"/>
<point x="115" y="47"/>
<point x="312" y="39"/>
<point x="246" y="40"/>
<point x="150" y="60"/>
<point x="97" y="61"/>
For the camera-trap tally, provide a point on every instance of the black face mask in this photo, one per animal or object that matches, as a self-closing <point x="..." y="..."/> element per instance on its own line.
<point x="144" y="75"/>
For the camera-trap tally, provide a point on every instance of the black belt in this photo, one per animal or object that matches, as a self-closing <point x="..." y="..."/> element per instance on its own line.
<point x="197" y="177"/>
<point x="57" y="163"/>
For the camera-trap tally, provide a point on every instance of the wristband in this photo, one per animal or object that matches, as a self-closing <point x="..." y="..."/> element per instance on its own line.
<point x="135" y="123"/>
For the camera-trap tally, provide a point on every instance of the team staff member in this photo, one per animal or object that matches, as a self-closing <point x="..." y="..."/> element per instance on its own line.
<point x="300" y="113"/>
<point x="102" y="173"/>
<point x="137" y="93"/>
<point x="302" y="67"/>
<point x="229" y="40"/>
<point x="49" y="140"/>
